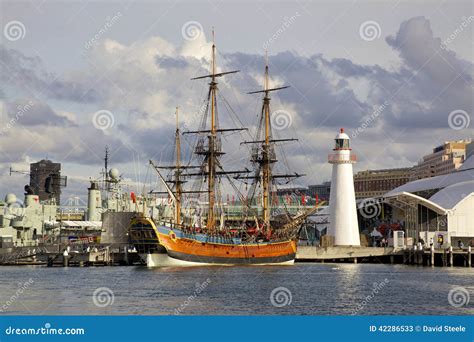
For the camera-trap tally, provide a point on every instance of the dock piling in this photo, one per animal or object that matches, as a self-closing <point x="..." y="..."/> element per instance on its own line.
<point x="451" y="256"/>
<point x="432" y="256"/>
<point x="66" y="258"/>
<point x="469" y="256"/>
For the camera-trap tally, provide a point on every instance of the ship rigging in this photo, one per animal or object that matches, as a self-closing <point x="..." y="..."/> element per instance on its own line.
<point x="253" y="237"/>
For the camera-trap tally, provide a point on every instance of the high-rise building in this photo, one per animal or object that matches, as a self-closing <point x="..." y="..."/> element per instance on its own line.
<point x="374" y="183"/>
<point x="46" y="180"/>
<point x="444" y="159"/>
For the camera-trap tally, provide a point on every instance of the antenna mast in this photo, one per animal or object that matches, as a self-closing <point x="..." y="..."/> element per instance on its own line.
<point x="106" y="172"/>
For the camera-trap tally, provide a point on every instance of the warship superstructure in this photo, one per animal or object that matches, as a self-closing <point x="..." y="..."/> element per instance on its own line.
<point x="30" y="227"/>
<point x="24" y="223"/>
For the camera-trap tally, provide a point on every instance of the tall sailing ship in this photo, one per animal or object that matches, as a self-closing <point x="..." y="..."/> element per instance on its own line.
<point x="204" y="235"/>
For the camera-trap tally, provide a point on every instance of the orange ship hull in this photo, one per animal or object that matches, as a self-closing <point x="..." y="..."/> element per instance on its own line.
<point x="198" y="248"/>
<point x="208" y="252"/>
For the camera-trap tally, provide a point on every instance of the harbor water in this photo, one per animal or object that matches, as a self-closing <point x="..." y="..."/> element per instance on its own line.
<point x="301" y="289"/>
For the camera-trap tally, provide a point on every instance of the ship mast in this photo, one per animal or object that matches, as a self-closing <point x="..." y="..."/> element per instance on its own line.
<point x="212" y="140"/>
<point x="213" y="151"/>
<point x="177" y="179"/>
<point x="178" y="182"/>
<point x="267" y="157"/>
<point x="266" y="172"/>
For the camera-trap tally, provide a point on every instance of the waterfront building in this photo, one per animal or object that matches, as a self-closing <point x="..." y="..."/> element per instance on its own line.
<point x="440" y="206"/>
<point x="343" y="224"/>
<point x="444" y="159"/>
<point x="291" y="195"/>
<point x="291" y="190"/>
<point x="322" y="191"/>
<point x="374" y="183"/>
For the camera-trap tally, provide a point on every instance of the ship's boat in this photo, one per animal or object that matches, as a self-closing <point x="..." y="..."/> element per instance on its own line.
<point x="207" y="233"/>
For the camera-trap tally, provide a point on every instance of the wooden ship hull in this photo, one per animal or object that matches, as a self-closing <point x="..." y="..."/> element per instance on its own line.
<point x="160" y="245"/>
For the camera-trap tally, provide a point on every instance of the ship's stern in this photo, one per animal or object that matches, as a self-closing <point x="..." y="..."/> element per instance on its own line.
<point x="143" y="236"/>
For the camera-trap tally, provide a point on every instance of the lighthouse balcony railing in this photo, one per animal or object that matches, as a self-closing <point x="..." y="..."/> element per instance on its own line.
<point x="342" y="158"/>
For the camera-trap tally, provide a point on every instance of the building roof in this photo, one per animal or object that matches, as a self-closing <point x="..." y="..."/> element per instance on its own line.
<point x="412" y="199"/>
<point x="450" y="196"/>
<point x="438" y="182"/>
<point x="382" y="171"/>
<point x="454" y="188"/>
<point x="468" y="163"/>
<point x="342" y="135"/>
<point x="287" y="187"/>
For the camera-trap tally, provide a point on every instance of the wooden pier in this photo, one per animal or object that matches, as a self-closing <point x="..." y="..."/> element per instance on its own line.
<point x="449" y="257"/>
<point x="51" y="256"/>
<point x="387" y="255"/>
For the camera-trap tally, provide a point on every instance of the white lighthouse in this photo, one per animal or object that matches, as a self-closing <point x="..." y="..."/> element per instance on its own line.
<point x="342" y="205"/>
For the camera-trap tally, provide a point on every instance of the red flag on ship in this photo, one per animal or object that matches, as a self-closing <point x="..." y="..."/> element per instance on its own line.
<point x="133" y="197"/>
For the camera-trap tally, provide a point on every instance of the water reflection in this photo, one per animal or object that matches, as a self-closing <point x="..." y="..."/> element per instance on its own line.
<point x="315" y="289"/>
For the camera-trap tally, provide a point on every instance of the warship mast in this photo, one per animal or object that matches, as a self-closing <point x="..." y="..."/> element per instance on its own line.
<point x="106" y="173"/>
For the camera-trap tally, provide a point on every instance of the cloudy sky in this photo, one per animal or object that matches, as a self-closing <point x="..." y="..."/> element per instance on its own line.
<point x="77" y="76"/>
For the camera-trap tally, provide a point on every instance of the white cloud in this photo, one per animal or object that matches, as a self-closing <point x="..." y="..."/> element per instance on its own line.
<point x="141" y="84"/>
